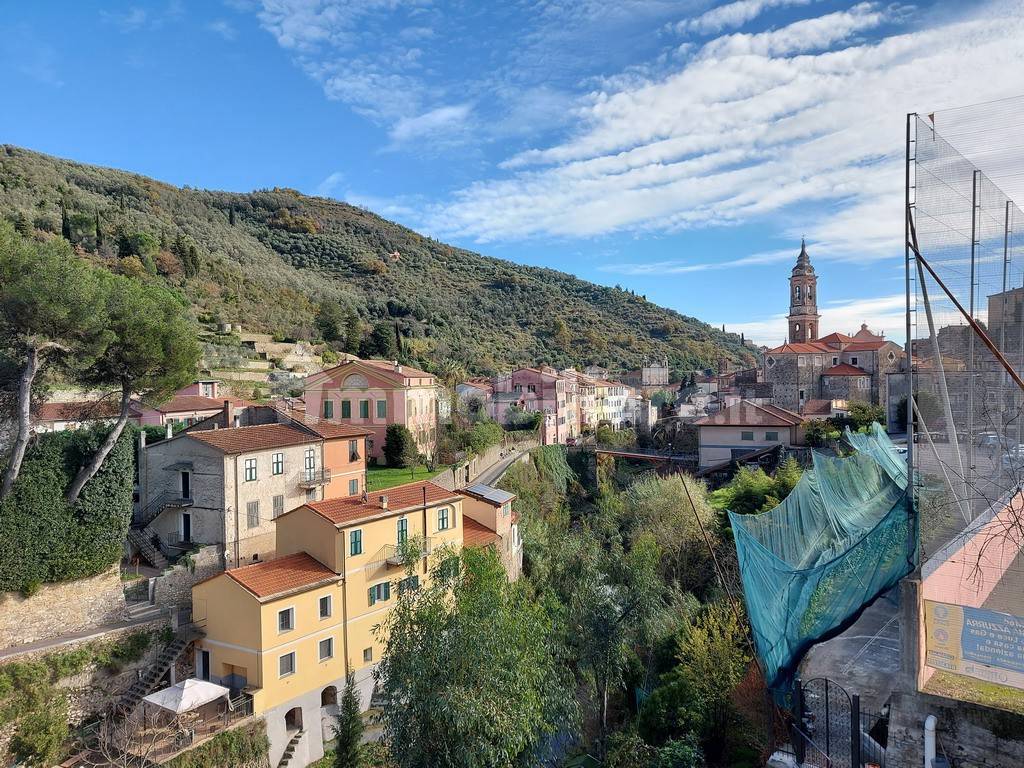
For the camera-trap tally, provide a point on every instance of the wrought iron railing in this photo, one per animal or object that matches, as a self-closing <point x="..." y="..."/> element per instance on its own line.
<point x="151" y="511"/>
<point x="310" y="478"/>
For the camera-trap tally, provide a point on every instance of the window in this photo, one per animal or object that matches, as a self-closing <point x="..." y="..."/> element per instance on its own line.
<point x="286" y="664"/>
<point x="506" y="509"/>
<point x="325" y="607"/>
<point x="408" y="584"/>
<point x="252" y="514"/>
<point x="250" y="470"/>
<point x="367" y="654"/>
<point x="311" y="494"/>
<point x="346" y="409"/>
<point x="286" y="620"/>
<point x="364" y="409"/>
<point x="278" y="505"/>
<point x="801" y="396"/>
<point x="277" y="464"/>
<point x="328" y="409"/>
<point x="326" y="648"/>
<point x="442" y="519"/>
<point x="309" y="461"/>
<point x="382" y="409"/>
<point x="801" y="361"/>
<point x="771" y="436"/>
<point x="355" y="543"/>
<point x="353" y="487"/>
<point x="853" y="361"/>
<point x="835" y="360"/>
<point x="770" y="361"/>
<point x="746" y="435"/>
<point x="379" y="592"/>
<point x="403" y="531"/>
<point x="353" y="450"/>
<point x="531" y="387"/>
<point x="796" y="293"/>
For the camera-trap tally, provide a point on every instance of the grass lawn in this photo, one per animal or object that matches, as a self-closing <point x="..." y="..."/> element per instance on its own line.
<point x="379" y="478"/>
<point x="978" y="691"/>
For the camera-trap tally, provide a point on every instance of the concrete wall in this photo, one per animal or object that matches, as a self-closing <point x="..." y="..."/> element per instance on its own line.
<point x="61" y="608"/>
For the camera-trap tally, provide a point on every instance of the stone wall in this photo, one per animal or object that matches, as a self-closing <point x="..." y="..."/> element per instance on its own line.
<point x="971" y="736"/>
<point x="174" y="587"/>
<point x="61" y="608"/>
<point x="466" y="473"/>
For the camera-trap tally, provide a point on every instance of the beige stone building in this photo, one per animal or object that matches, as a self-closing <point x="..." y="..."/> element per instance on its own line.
<point x="744" y="428"/>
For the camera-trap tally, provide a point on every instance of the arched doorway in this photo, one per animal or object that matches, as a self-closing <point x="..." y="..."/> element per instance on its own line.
<point x="328" y="711"/>
<point x="329" y="696"/>
<point x="293" y="720"/>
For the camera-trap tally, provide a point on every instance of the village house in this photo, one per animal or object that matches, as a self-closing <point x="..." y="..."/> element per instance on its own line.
<point x="615" y="406"/>
<point x="652" y="375"/>
<point x="73" y="414"/>
<point x="540" y="389"/>
<point x="744" y="428"/>
<point x="199" y="400"/>
<point x="226" y="486"/>
<point x="372" y="394"/>
<point x="836" y="366"/>
<point x="290" y="631"/>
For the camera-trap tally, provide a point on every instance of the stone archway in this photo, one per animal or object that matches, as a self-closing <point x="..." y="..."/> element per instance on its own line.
<point x="293" y="720"/>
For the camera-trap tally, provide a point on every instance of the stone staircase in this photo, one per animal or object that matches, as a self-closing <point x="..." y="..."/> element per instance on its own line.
<point x="149" y="680"/>
<point x="289" y="751"/>
<point x="142" y="539"/>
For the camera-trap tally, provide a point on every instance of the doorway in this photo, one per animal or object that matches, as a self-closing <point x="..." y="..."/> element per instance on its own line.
<point x="186" y="485"/>
<point x="293" y="720"/>
<point x="203" y="665"/>
<point x="186" y="527"/>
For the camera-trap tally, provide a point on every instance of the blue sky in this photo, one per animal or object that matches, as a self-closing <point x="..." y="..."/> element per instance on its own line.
<point x="678" y="148"/>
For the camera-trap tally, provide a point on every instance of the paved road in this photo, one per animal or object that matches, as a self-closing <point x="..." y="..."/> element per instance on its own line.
<point x="493" y="474"/>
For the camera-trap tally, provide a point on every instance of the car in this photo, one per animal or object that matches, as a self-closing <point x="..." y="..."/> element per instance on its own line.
<point x="988" y="440"/>
<point x="901" y="449"/>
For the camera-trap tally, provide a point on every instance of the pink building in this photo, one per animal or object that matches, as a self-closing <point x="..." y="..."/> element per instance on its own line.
<point x="374" y="394"/>
<point x="199" y="400"/>
<point x="541" y="389"/>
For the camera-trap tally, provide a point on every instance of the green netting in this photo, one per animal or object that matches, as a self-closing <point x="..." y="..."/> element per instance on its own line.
<point x="878" y="446"/>
<point x="811" y="564"/>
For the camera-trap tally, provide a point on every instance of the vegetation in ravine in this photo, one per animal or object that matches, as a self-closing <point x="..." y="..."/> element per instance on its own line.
<point x="244" y="747"/>
<point x="302" y="267"/>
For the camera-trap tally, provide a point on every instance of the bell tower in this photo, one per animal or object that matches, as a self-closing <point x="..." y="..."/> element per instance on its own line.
<point x="803" y="299"/>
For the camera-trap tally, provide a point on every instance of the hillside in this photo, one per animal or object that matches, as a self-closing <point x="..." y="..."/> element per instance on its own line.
<point x="270" y="259"/>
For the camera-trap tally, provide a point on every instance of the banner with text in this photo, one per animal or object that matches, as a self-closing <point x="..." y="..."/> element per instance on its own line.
<point x="976" y="642"/>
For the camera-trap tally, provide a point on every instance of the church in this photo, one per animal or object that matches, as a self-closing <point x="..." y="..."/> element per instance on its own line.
<point x="810" y="371"/>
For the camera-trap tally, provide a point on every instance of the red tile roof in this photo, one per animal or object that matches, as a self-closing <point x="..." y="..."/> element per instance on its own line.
<point x="351" y="509"/>
<point x="845" y="369"/>
<point x="190" y="403"/>
<point x="407" y="370"/>
<point x="866" y="346"/>
<point x="82" y="410"/>
<point x="802" y="348"/>
<point x="383" y="368"/>
<point x="748" y="414"/>
<point x="476" y="535"/>
<point x="285" y="574"/>
<point x="836" y="338"/>
<point x="817" y="408"/>
<point x="259" y="437"/>
<point x="329" y="430"/>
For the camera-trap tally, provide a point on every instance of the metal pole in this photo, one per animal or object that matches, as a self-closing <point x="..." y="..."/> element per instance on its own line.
<point x="971" y="377"/>
<point x="799" y="726"/>
<point x="855" y="731"/>
<point x="908" y="344"/>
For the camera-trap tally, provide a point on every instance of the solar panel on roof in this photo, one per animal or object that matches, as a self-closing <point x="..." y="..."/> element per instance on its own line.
<point x="496" y="495"/>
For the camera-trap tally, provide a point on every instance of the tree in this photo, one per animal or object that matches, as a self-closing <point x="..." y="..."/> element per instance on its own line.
<point x="928" y="407"/>
<point x="473" y="674"/>
<point x="51" y="310"/>
<point x="381" y="343"/>
<point x="65" y="222"/>
<point x="231" y="215"/>
<point x="152" y="351"/>
<point x="348" y="730"/>
<point x="329" y="318"/>
<point x="353" y="333"/>
<point x="99" y="231"/>
<point x="399" y="446"/>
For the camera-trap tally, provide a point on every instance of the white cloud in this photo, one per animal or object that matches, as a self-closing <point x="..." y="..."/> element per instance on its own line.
<point x="329" y="184"/>
<point x="437" y="121"/>
<point x="682" y="267"/>
<point x="732" y="15"/>
<point x="885" y="314"/>
<point x="223" y="28"/>
<point x="747" y="127"/>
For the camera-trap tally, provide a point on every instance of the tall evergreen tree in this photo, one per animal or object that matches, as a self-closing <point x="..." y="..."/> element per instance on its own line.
<point x="353" y="333"/>
<point x="231" y="215"/>
<point x="65" y="222"/>
<point x="99" y="231"/>
<point x="348" y="731"/>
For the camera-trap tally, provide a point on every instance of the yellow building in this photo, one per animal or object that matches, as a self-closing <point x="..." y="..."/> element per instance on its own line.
<point x="290" y="630"/>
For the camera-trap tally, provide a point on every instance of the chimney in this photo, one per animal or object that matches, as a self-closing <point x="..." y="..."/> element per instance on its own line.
<point x="229" y="415"/>
<point x="170" y="430"/>
<point x="383" y="502"/>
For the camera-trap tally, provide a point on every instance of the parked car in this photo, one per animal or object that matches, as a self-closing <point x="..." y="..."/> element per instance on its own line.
<point x="988" y="440"/>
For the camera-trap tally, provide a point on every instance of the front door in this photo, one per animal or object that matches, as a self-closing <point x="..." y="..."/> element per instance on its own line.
<point x="186" y="485"/>
<point x="203" y="665"/>
<point x="186" y="527"/>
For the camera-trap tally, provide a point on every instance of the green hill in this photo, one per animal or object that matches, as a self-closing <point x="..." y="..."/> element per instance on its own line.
<point x="269" y="259"/>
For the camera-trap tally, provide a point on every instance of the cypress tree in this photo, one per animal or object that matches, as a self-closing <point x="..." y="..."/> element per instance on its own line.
<point x="65" y="222"/>
<point x="231" y="215"/>
<point x="348" y="731"/>
<point x="99" y="231"/>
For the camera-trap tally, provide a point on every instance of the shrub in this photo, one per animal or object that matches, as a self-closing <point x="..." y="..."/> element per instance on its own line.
<point x="399" y="446"/>
<point x="40" y="737"/>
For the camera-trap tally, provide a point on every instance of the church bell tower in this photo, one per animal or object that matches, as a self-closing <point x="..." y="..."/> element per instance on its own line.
<point x="803" y="299"/>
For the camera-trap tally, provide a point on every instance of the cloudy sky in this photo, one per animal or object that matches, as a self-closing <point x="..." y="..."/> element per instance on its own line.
<point x="676" y="147"/>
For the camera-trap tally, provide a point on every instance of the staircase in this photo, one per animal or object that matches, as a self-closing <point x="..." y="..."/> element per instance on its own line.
<point x="289" y="751"/>
<point x="149" y="680"/>
<point x="142" y="539"/>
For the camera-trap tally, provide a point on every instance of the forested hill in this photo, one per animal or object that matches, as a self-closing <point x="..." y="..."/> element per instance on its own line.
<point x="273" y="259"/>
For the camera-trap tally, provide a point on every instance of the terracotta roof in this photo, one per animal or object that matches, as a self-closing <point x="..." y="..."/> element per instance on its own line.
<point x="835" y="338"/>
<point x="476" y="535"/>
<point x="82" y="410"/>
<point x="866" y="346"/>
<point x="285" y="574"/>
<point x="802" y="348"/>
<point x="329" y="430"/>
<point x="351" y="509"/>
<point x="748" y="414"/>
<point x="407" y="370"/>
<point x="259" y="437"/>
<point x="384" y="368"/>
<point x="817" y="408"/>
<point x="189" y="403"/>
<point x="845" y="369"/>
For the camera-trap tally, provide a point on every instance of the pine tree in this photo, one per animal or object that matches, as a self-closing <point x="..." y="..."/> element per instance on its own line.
<point x="348" y="731"/>
<point x="353" y="333"/>
<point x="231" y="215"/>
<point x="99" y="231"/>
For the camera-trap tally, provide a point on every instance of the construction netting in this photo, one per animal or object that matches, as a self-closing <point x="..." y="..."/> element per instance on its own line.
<point x="810" y="565"/>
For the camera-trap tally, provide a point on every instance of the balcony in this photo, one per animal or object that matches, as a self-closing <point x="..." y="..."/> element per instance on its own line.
<point x="311" y="478"/>
<point x="394" y="555"/>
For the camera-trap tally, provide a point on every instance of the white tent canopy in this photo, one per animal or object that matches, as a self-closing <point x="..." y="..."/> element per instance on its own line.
<point x="187" y="695"/>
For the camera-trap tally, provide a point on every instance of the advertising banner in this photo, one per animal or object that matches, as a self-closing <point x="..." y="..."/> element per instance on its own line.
<point x="976" y="642"/>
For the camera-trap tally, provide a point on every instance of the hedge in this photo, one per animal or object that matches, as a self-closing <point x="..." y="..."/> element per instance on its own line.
<point x="42" y="539"/>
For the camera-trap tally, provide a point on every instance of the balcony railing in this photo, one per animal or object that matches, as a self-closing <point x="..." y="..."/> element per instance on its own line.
<point x="311" y="478"/>
<point x="395" y="555"/>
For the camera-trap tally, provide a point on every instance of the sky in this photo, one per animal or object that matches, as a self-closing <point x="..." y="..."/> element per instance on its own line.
<point x="678" y="148"/>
